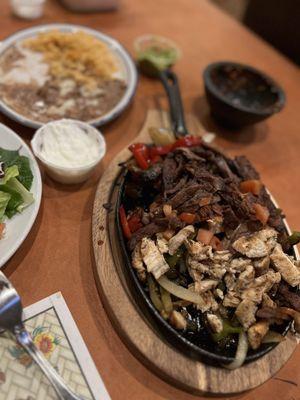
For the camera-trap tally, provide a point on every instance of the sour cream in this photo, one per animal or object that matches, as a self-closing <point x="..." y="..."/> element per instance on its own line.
<point x="69" y="149"/>
<point x="66" y="144"/>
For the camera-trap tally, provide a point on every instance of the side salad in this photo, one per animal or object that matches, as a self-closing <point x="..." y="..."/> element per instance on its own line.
<point x="15" y="183"/>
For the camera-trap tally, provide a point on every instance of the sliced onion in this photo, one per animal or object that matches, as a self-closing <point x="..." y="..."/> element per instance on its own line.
<point x="181" y="303"/>
<point x="241" y="352"/>
<point x="180" y="292"/>
<point x="161" y="136"/>
<point x="273" y="337"/>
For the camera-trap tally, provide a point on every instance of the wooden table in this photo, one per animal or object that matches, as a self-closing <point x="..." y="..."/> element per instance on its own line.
<point x="57" y="254"/>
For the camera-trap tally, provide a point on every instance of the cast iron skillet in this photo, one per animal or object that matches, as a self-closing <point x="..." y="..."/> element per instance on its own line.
<point x="137" y="289"/>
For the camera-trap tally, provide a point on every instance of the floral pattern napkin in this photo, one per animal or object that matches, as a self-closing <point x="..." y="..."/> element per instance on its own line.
<point x="21" y="378"/>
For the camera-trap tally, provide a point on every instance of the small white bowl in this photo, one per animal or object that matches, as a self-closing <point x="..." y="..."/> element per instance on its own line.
<point x="69" y="175"/>
<point x="28" y="9"/>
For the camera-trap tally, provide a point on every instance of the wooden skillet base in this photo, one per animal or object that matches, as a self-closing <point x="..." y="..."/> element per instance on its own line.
<point x="138" y="335"/>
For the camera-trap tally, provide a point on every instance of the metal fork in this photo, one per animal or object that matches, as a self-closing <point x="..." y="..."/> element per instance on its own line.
<point x="11" y="320"/>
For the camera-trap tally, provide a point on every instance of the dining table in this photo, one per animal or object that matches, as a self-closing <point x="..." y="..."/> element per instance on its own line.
<point x="57" y="255"/>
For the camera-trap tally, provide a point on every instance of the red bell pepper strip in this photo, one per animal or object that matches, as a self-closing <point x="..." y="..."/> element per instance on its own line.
<point x="160" y="150"/>
<point x="155" y="159"/>
<point x="141" y="154"/>
<point x="141" y="147"/>
<point x="124" y="222"/>
<point x="142" y="162"/>
<point x="134" y="223"/>
<point x="145" y="156"/>
<point x="187" y="141"/>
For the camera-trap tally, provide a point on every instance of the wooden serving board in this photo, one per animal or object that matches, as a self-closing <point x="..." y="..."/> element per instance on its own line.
<point x="144" y="342"/>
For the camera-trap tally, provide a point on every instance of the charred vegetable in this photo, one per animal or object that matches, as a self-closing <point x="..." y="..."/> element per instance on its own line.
<point x="228" y="330"/>
<point x="294" y="238"/>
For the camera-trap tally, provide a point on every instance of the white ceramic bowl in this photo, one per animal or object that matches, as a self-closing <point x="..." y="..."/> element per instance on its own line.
<point x="28" y="9"/>
<point x="69" y="175"/>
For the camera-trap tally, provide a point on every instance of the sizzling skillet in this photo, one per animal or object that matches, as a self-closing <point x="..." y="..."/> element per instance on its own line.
<point x="199" y="350"/>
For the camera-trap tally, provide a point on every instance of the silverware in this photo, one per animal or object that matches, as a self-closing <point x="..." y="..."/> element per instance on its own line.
<point x="11" y="320"/>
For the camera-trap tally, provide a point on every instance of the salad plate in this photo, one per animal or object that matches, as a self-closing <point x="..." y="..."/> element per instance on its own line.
<point x="19" y="225"/>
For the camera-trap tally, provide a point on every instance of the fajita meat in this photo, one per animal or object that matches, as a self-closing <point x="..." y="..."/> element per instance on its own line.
<point x="211" y="232"/>
<point x="290" y="297"/>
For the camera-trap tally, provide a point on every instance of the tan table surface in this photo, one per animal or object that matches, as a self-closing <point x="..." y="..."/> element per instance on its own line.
<point x="57" y="254"/>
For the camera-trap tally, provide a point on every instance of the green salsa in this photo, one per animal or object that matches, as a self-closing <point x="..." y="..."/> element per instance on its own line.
<point x="156" y="57"/>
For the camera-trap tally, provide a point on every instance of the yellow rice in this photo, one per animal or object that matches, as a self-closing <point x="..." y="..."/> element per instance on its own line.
<point x="77" y="56"/>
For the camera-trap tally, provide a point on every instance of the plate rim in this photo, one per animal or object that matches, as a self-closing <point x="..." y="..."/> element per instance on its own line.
<point x="37" y="198"/>
<point x="114" y="44"/>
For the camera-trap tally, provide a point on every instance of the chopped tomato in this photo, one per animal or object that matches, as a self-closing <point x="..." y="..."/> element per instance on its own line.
<point x="2" y="227"/>
<point x="141" y="154"/>
<point x="134" y="223"/>
<point x="251" y="185"/>
<point x="187" y="217"/>
<point x="216" y="243"/>
<point x="204" y="236"/>
<point x="187" y="141"/>
<point x="261" y="212"/>
<point x="124" y="223"/>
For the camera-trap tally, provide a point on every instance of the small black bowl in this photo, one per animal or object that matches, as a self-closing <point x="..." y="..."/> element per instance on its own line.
<point x="241" y="95"/>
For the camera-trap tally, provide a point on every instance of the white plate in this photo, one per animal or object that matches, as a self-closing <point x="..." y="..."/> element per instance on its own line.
<point x="19" y="226"/>
<point x="127" y="69"/>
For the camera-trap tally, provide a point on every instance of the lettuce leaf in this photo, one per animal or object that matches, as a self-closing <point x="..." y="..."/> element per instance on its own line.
<point x="8" y="156"/>
<point x="10" y="172"/>
<point x="12" y="157"/>
<point x="15" y="201"/>
<point x="17" y="186"/>
<point x="4" y="199"/>
<point x="16" y="183"/>
<point x="25" y="174"/>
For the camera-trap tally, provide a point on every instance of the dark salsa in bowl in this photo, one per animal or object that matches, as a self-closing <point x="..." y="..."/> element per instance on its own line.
<point x="209" y="247"/>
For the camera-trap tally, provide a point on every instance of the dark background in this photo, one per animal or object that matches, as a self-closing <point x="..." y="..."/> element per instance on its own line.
<point x="277" y="21"/>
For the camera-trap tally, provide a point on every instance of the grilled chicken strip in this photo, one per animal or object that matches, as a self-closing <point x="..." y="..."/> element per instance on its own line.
<point x="176" y="241"/>
<point x="257" y="245"/>
<point x="137" y="262"/>
<point x="256" y="333"/>
<point x="245" y="313"/>
<point x="152" y="257"/>
<point x="283" y="264"/>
